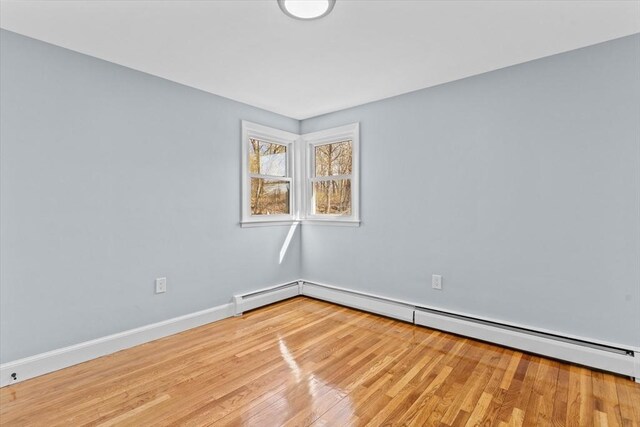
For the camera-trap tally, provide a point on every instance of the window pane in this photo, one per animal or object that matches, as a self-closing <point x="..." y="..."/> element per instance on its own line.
<point x="269" y="197"/>
<point x="266" y="158"/>
<point x="333" y="159"/>
<point x="332" y="197"/>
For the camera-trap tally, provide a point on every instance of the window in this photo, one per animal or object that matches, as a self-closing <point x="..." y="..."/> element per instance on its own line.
<point x="267" y="165"/>
<point x="270" y="186"/>
<point x="331" y="187"/>
<point x="311" y="178"/>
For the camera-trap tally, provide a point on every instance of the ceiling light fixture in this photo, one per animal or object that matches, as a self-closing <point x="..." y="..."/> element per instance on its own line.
<point x="306" y="9"/>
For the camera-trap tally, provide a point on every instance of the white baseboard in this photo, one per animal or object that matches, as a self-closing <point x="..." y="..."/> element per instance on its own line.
<point x="359" y="300"/>
<point x="51" y="361"/>
<point x="54" y="360"/>
<point x="29" y="367"/>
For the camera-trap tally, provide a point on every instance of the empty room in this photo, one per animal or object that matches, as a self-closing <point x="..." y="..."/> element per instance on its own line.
<point x="319" y="213"/>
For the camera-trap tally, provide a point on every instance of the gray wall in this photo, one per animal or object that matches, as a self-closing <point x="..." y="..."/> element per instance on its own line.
<point x="111" y="178"/>
<point x="520" y="186"/>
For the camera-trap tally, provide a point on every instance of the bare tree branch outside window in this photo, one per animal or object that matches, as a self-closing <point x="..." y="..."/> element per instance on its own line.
<point x="269" y="195"/>
<point x="333" y="196"/>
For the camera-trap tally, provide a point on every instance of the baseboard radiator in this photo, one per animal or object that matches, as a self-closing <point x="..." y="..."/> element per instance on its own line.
<point x="262" y="297"/>
<point x="618" y="359"/>
<point x="597" y="356"/>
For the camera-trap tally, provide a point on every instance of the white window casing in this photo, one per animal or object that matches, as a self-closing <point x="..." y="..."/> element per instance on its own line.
<point x="310" y="141"/>
<point x="300" y="174"/>
<point x="274" y="136"/>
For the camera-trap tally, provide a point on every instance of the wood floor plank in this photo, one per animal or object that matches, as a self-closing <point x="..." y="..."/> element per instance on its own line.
<point x="606" y="398"/>
<point x="559" y="416"/>
<point x="475" y="382"/>
<point x="493" y="389"/>
<point x="305" y="362"/>
<point x="629" y="400"/>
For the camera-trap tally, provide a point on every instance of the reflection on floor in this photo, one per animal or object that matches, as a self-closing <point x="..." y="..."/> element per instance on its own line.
<point x="306" y="362"/>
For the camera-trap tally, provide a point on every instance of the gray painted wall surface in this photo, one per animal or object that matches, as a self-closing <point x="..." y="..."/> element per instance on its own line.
<point x="109" y="179"/>
<point x="520" y="186"/>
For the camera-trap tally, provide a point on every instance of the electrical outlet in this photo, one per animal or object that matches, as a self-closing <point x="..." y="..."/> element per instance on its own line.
<point x="436" y="282"/>
<point x="161" y="285"/>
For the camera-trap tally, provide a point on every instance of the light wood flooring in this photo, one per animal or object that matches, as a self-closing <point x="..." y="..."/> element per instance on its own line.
<point x="305" y="362"/>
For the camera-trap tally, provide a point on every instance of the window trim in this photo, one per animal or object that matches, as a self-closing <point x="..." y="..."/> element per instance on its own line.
<point x="349" y="132"/>
<point x="269" y="135"/>
<point x="299" y="175"/>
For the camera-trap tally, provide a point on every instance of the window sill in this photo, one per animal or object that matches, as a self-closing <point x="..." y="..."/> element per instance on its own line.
<point x="274" y="223"/>
<point x="334" y="222"/>
<point x="279" y="223"/>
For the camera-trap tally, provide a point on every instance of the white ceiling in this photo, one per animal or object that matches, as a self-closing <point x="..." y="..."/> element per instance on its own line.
<point x="363" y="51"/>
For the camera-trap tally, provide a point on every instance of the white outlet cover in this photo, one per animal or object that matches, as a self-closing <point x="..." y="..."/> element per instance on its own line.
<point x="436" y="281"/>
<point x="161" y="285"/>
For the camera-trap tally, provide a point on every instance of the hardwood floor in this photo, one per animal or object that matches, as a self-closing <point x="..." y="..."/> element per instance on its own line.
<point x="305" y="362"/>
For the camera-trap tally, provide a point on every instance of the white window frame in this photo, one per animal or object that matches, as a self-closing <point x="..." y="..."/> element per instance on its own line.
<point x="275" y="136"/>
<point x="351" y="133"/>
<point x="300" y="171"/>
